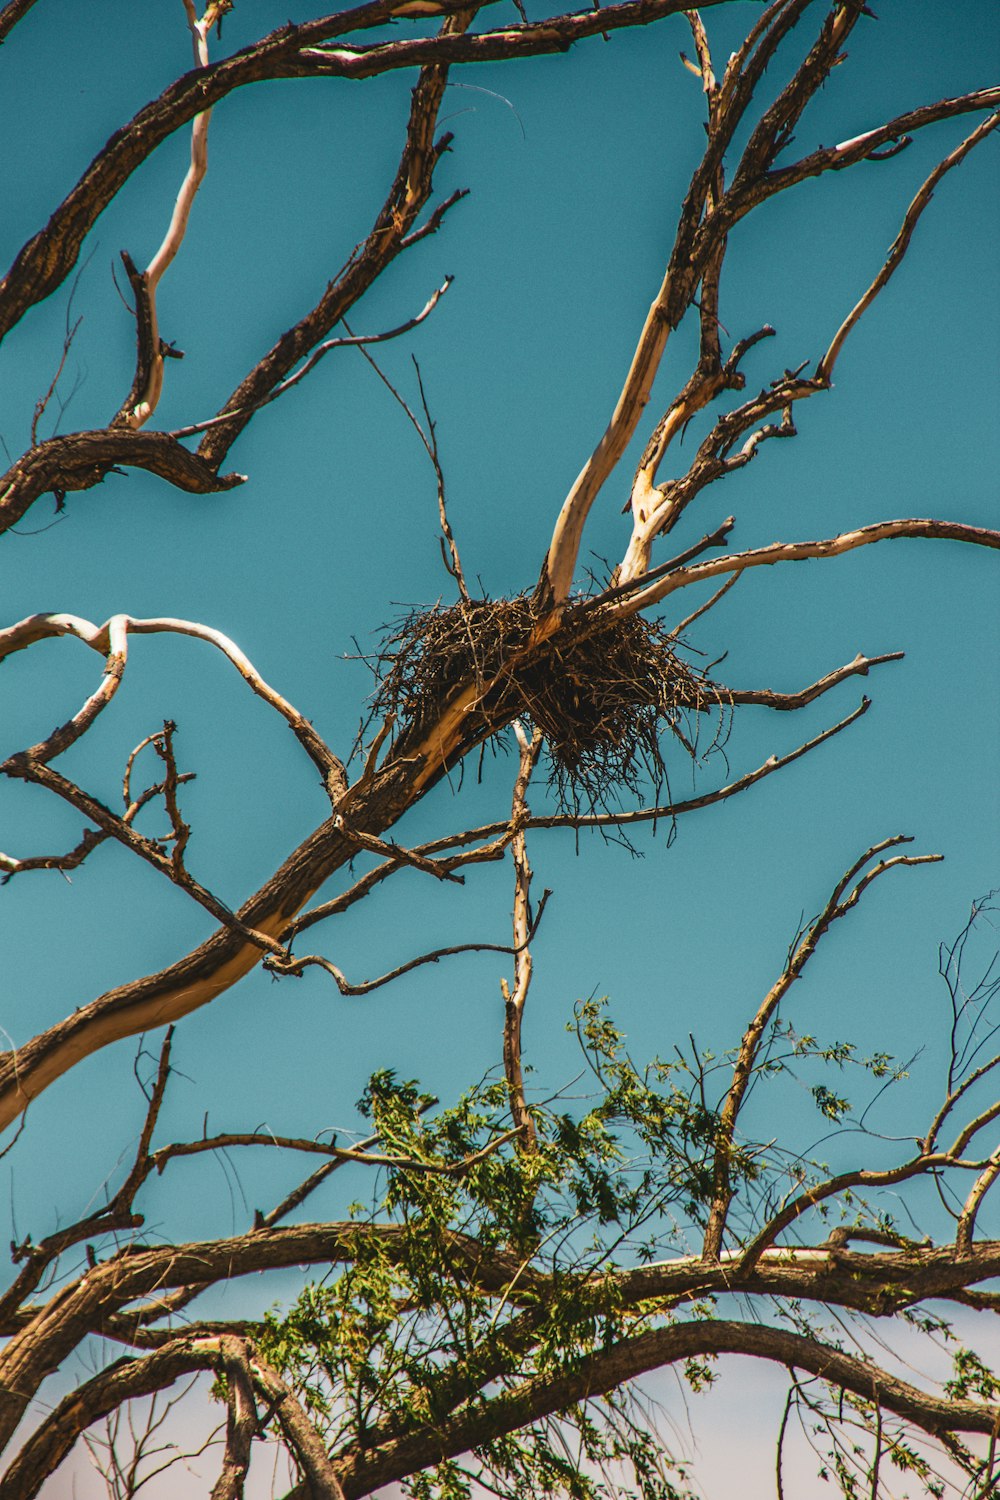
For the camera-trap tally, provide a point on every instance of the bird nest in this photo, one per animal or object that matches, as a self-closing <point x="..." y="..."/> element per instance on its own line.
<point x="602" y="690"/>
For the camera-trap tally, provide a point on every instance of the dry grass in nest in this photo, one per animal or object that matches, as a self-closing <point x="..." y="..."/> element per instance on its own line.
<point x="603" y="692"/>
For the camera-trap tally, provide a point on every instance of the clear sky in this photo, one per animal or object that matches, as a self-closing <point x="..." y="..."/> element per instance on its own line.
<point x="576" y="166"/>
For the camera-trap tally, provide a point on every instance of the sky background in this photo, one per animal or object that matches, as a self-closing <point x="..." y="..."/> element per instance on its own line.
<point x="576" y="167"/>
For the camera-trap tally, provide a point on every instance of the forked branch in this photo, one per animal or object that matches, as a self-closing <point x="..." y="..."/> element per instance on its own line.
<point x="843" y="899"/>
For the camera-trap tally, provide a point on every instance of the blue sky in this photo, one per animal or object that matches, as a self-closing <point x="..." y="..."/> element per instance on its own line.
<point x="576" y="166"/>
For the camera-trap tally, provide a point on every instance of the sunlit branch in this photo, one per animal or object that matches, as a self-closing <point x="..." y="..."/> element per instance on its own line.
<point x="145" y="394"/>
<point x="967" y="1220"/>
<point x="110" y="639"/>
<point x="292" y="964"/>
<point x="848" y="541"/>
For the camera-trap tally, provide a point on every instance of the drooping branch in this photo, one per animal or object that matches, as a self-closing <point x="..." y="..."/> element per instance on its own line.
<point x="79" y="460"/>
<point x="101" y="638"/>
<point x="147" y="386"/>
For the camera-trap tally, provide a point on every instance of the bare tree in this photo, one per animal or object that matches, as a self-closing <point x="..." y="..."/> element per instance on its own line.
<point x="522" y="1259"/>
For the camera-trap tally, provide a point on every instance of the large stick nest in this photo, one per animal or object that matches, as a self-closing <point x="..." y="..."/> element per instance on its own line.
<point x="602" y="690"/>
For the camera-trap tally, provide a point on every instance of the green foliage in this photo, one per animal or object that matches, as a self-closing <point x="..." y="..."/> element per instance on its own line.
<point x="408" y="1332"/>
<point x="971" y="1378"/>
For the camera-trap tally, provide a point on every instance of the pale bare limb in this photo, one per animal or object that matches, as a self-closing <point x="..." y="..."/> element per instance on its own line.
<point x="110" y="639"/>
<point x="778" y="552"/>
<point x="144" y="397"/>
<point x="523" y="924"/>
<point x="113" y="645"/>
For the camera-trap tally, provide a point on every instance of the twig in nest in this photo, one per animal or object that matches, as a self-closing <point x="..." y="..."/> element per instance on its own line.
<point x="602" y="690"/>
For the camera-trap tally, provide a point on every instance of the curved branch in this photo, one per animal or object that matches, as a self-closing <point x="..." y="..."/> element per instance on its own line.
<point x="836" y="907"/>
<point x="847" y="541"/>
<point x="79" y="460"/>
<point x="601" y="1371"/>
<point x="127" y="1379"/>
<point x="967" y="1221"/>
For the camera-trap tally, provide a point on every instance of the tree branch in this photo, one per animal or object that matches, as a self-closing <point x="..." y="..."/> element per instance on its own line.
<point x="836" y="907"/>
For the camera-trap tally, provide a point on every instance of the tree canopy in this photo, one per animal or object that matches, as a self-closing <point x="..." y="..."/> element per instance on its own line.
<point x="602" y="1135"/>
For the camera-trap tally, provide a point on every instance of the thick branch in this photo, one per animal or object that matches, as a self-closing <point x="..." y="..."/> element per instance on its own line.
<point x="241" y="1422"/>
<point x="128" y="1379"/>
<point x="102" y="638"/>
<point x="290" y="52"/>
<point x="79" y="460"/>
<point x="13" y="11"/>
<point x="602" y="1371"/>
<point x="300" y="1434"/>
